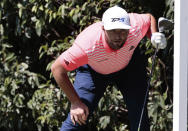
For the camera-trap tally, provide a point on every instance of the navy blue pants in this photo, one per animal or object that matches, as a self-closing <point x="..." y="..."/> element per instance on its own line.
<point x="131" y="81"/>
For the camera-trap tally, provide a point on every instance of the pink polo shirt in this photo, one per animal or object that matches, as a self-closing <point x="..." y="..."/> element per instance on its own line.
<point x="91" y="48"/>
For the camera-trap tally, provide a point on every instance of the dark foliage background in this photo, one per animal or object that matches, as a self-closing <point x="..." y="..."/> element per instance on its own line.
<point x="34" y="32"/>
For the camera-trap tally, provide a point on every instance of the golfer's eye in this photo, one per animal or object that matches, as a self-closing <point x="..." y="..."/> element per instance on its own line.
<point x="124" y="32"/>
<point x="111" y="31"/>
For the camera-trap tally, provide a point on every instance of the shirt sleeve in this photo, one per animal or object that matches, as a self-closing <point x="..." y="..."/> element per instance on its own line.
<point x="73" y="58"/>
<point x="142" y="21"/>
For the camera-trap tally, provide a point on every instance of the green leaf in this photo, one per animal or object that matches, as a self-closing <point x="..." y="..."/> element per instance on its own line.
<point x="149" y="51"/>
<point x="38" y="27"/>
<point x="105" y="120"/>
<point x="41" y="8"/>
<point x="48" y="68"/>
<point x="20" y="5"/>
<point x="51" y="16"/>
<point x="41" y="54"/>
<point x="170" y="115"/>
<point x="61" y="11"/>
<point x="27" y="32"/>
<point x="42" y="119"/>
<point x="54" y="15"/>
<point x="84" y="6"/>
<point x="71" y="13"/>
<point x="34" y="9"/>
<point x="9" y="57"/>
<point x="75" y="18"/>
<point x="165" y="95"/>
<point x="14" y="87"/>
<point x="23" y="66"/>
<point x="34" y="19"/>
<point x="18" y="100"/>
<point x="31" y="1"/>
<point x="36" y="80"/>
<point x="162" y="102"/>
<point x="20" y="12"/>
<point x="43" y="86"/>
<point x="1" y="29"/>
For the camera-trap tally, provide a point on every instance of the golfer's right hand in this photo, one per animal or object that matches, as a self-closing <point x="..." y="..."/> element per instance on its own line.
<point x="158" y="39"/>
<point x="79" y="113"/>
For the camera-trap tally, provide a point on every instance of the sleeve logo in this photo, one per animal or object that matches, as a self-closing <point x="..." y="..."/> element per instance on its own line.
<point x="132" y="47"/>
<point x="66" y="62"/>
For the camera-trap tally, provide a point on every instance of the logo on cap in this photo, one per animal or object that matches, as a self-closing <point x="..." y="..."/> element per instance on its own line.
<point x="118" y="19"/>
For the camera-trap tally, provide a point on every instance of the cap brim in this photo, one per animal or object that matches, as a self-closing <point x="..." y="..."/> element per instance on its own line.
<point x="111" y="27"/>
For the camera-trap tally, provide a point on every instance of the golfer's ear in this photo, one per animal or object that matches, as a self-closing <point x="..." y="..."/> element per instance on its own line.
<point x="103" y="27"/>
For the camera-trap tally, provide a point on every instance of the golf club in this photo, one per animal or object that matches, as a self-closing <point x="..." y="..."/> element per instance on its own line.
<point x="163" y="24"/>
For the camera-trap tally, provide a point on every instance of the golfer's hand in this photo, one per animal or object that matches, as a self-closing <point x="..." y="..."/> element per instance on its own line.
<point x="79" y="113"/>
<point x="158" y="38"/>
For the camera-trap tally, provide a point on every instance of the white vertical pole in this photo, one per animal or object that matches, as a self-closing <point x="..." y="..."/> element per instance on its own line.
<point x="180" y="65"/>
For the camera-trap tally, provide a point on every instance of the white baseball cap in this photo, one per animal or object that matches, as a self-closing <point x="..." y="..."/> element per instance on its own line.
<point x="116" y="18"/>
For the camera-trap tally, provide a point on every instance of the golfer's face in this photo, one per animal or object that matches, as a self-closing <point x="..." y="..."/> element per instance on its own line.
<point x="116" y="38"/>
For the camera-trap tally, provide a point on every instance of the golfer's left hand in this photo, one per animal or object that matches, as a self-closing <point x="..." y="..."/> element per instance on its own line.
<point x="158" y="38"/>
<point x="79" y="113"/>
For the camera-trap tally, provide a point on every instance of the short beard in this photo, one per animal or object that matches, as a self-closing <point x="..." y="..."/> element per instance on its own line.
<point x="116" y="47"/>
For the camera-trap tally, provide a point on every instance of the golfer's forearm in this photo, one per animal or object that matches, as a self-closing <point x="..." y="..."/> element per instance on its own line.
<point x="68" y="89"/>
<point x="153" y="26"/>
<point x="65" y="84"/>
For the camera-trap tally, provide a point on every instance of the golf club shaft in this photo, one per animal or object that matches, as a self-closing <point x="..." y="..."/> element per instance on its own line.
<point x="148" y="85"/>
<point x="163" y="24"/>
